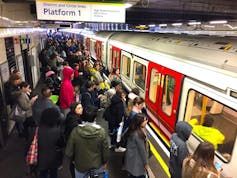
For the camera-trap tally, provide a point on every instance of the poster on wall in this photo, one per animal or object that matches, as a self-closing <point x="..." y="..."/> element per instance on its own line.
<point x="4" y="70"/>
<point x="20" y="66"/>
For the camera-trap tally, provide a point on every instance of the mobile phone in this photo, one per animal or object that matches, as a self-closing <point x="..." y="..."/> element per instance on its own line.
<point x="218" y="165"/>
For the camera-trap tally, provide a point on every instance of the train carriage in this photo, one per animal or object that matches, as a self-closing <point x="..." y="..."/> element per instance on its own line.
<point x="182" y="77"/>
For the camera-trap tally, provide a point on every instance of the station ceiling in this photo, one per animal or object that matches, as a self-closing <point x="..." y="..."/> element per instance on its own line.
<point x="170" y="11"/>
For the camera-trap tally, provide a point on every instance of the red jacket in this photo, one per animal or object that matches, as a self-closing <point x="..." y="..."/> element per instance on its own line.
<point x="66" y="95"/>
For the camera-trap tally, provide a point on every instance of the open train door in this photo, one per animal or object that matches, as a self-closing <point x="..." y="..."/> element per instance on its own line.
<point x="169" y="96"/>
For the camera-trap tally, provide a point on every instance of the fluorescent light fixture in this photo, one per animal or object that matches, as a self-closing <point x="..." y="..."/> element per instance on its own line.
<point x="128" y="5"/>
<point x="176" y="24"/>
<point x="209" y="26"/>
<point x="152" y="25"/>
<point x="163" y="25"/>
<point x="194" y="23"/>
<point x="218" y="22"/>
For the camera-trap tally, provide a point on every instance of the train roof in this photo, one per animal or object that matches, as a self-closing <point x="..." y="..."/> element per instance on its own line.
<point x="213" y="56"/>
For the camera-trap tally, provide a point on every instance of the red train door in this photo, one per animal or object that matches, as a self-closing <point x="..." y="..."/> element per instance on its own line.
<point x="169" y="96"/>
<point x="116" y="52"/>
<point x="152" y="87"/>
<point x="163" y="94"/>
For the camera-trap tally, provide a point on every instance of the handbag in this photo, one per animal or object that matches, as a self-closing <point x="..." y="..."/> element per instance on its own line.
<point x="32" y="153"/>
<point x="17" y="114"/>
<point x="120" y="130"/>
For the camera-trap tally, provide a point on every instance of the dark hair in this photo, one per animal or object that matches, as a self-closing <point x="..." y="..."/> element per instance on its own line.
<point x="114" y="83"/>
<point x="204" y="158"/>
<point x="135" y="125"/>
<point x="73" y="106"/>
<point x="46" y="92"/>
<point x="138" y="100"/>
<point x="23" y="84"/>
<point x="136" y="91"/>
<point x="89" y="84"/>
<point x="75" y="65"/>
<point x="90" y="113"/>
<point x="50" y="117"/>
<point x="119" y="92"/>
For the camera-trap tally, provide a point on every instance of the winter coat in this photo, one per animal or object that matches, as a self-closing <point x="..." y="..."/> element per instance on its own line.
<point x="178" y="148"/>
<point x="87" y="99"/>
<point x="117" y="112"/>
<point x="25" y="103"/>
<point x="40" y="105"/>
<point x="136" y="156"/>
<point x="72" y="120"/>
<point x="88" y="147"/>
<point x="66" y="95"/>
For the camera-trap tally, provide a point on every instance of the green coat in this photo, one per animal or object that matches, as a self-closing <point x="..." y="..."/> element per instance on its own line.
<point x="88" y="147"/>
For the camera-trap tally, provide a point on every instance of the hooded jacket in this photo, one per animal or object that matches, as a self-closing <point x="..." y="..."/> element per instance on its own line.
<point x="178" y="148"/>
<point x="88" y="147"/>
<point x="66" y="94"/>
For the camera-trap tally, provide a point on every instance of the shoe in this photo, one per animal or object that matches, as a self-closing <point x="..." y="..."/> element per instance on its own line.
<point x="120" y="149"/>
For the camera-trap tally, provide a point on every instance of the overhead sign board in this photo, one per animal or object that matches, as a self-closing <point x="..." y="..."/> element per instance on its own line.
<point x="73" y="10"/>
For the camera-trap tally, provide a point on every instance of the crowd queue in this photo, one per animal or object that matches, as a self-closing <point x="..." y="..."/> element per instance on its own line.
<point x="63" y="120"/>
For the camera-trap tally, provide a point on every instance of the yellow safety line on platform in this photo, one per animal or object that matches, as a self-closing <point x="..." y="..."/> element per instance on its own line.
<point x="158" y="132"/>
<point x="160" y="160"/>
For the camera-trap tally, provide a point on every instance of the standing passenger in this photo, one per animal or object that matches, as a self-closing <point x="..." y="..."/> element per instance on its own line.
<point x="136" y="156"/>
<point x="66" y="95"/>
<point x="73" y="119"/>
<point x="88" y="146"/>
<point x="178" y="148"/>
<point x="50" y="143"/>
<point x="201" y="163"/>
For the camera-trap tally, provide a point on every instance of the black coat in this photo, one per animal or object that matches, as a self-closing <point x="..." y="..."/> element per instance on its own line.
<point x="50" y="144"/>
<point x="117" y="111"/>
<point x="71" y="121"/>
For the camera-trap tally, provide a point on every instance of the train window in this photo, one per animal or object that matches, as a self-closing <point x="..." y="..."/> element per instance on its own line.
<point x="139" y="74"/>
<point x="154" y="82"/>
<point x="126" y="63"/>
<point x="212" y="121"/>
<point x="167" y="94"/>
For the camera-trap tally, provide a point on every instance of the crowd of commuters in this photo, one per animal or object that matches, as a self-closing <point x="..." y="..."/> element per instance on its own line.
<point x="70" y="123"/>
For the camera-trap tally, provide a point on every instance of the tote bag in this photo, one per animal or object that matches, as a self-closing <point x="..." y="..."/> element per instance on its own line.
<point x="32" y="154"/>
<point x="17" y="114"/>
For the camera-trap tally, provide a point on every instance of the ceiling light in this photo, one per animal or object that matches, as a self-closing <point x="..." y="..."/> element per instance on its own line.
<point x="128" y="5"/>
<point x="163" y="25"/>
<point x="152" y="25"/>
<point x="209" y="26"/>
<point x="218" y="22"/>
<point x="194" y="23"/>
<point x="176" y="24"/>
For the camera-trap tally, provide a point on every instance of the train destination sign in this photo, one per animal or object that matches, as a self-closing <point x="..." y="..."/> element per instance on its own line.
<point x="73" y="10"/>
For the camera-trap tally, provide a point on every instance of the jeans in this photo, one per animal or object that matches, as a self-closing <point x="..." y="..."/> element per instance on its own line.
<point x="87" y="173"/>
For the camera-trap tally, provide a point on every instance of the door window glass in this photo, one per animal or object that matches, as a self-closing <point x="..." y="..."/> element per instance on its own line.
<point x="140" y="74"/>
<point x="126" y="62"/>
<point x="168" y="94"/>
<point x="154" y="82"/>
<point x="213" y="122"/>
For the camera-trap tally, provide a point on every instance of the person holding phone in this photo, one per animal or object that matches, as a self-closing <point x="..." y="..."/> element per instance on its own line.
<point x="201" y="163"/>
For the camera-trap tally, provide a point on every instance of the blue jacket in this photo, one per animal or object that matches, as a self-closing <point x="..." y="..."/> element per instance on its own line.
<point x="178" y="148"/>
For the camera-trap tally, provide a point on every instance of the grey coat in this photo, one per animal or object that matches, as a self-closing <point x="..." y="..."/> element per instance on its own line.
<point x="136" y="157"/>
<point x="25" y="103"/>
